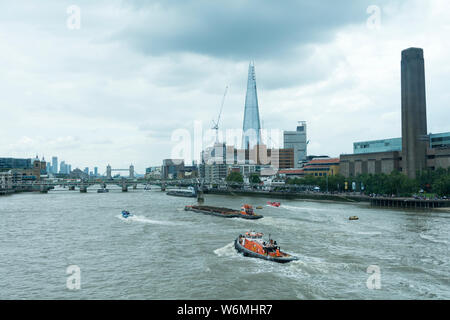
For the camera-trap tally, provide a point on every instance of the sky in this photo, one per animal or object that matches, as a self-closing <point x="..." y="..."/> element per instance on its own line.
<point x="109" y="82"/>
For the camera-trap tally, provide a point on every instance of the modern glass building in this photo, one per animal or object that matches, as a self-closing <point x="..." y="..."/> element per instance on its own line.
<point x="438" y="140"/>
<point x="384" y="145"/>
<point x="55" y="165"/>
<point x="297" y="140"/>
<point x="252" y="126"/>
<point x="13" y="163"/>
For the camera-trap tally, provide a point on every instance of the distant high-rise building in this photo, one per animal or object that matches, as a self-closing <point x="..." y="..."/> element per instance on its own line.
<point x="297" y="140"/>
<point x="414" y="112"/>
<point x="63" y="167"/>
<point x="54" y="165"/>
<point x="86" y="170"/>
<point x="252" y="125"/>
<point x="108" y="172"/>
<point x="69" y="169"/>
<point x="96" y="171"/>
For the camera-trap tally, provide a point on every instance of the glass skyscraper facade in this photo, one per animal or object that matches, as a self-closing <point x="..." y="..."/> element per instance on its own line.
<point x="252" y="126"/>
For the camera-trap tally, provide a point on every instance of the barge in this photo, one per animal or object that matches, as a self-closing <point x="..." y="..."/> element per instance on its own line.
<point x="246" y="212"/>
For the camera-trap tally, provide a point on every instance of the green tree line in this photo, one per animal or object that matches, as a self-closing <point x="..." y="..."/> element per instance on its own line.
<point x="396" y="183"/>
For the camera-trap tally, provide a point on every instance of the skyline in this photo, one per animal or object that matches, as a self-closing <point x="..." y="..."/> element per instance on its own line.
<point x="115" y="89"/>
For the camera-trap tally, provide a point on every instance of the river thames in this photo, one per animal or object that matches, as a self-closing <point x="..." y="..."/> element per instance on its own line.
<point x="164" y="252"/>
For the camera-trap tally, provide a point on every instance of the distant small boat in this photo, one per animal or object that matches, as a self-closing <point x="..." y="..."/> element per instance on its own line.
<point x="274" y="204"/>
<point x="126" y="214"/>
<point x="188" y="193"/>
<point x="353" y="218"/>
<point x="102" y="190"/>
<point x="259" y="207"/>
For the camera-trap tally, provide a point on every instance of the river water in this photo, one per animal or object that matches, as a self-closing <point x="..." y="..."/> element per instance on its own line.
<point x="165" y="252"/>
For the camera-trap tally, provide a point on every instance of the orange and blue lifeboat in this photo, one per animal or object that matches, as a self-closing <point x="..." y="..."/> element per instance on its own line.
<point x="251" y="244"/>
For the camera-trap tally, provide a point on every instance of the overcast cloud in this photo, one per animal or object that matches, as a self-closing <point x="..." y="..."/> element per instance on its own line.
<point x="114" y="90"/>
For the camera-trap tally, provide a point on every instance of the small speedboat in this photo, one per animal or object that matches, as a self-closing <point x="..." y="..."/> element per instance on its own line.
<point x="251" y="244"/>
<point x="354" y="218"/>
<point x="126" y="214"/>
<point x="274" y="204"/>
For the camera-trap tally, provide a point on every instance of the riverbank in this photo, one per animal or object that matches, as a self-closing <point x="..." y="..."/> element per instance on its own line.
<point x="294" y="196"/>
<point x="404" y="203"/>
<point x="4" y="192"/>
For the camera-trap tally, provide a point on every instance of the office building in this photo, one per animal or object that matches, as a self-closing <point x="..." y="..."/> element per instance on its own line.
<point x="296" y="140"/>
<point x="13" y="163"/>
<point x="54" y="165"/>
<point x="171" y="168"/>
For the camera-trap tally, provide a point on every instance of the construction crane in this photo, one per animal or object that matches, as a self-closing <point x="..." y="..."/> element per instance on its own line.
<point x="216" y="124"/>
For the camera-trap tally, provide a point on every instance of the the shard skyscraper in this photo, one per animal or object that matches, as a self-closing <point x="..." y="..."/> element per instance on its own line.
<point x="252" y="126"/>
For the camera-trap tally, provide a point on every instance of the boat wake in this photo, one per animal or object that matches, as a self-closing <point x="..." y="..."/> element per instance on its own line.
<point x="431" y="239"/>
<point x="293" y="208"/>
<point x="143" y="219"/>
<point x="227" y="251"/>
<point x="280" y="223"/>
<point x="369" y="233"/>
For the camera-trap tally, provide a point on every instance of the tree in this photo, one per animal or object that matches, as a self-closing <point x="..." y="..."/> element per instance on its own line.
<point x="235" y="177"/>
<point x="254" y="178"/>
<point x="442" y="186"/>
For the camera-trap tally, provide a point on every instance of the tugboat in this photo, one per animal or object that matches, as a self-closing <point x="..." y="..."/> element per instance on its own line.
<point x="126" y="214"/>
<point x="251" y="244"/>
<point x="274" y="204"/>
<point x="246" y="212"/>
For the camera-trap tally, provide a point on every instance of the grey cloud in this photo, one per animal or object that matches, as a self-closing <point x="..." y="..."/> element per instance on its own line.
<point x="239" y="29"/>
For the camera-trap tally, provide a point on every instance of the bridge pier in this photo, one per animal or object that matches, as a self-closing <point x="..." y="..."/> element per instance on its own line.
<point x="43" y="189"/>
<point x="163" y="187"/>
<point x="71" y="188"/>
<point x="134" y="186"/>
<point x="200" y="196"/>
<point x="124" y="188"/>
<point x="83" y="189"/>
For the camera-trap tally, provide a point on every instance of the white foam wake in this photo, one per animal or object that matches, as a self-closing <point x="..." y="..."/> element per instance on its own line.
<point x="227" y="251"/>
<point x="293" y="208"/>
<point x="143" y="219"/>
<point x="431" y="238"/>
